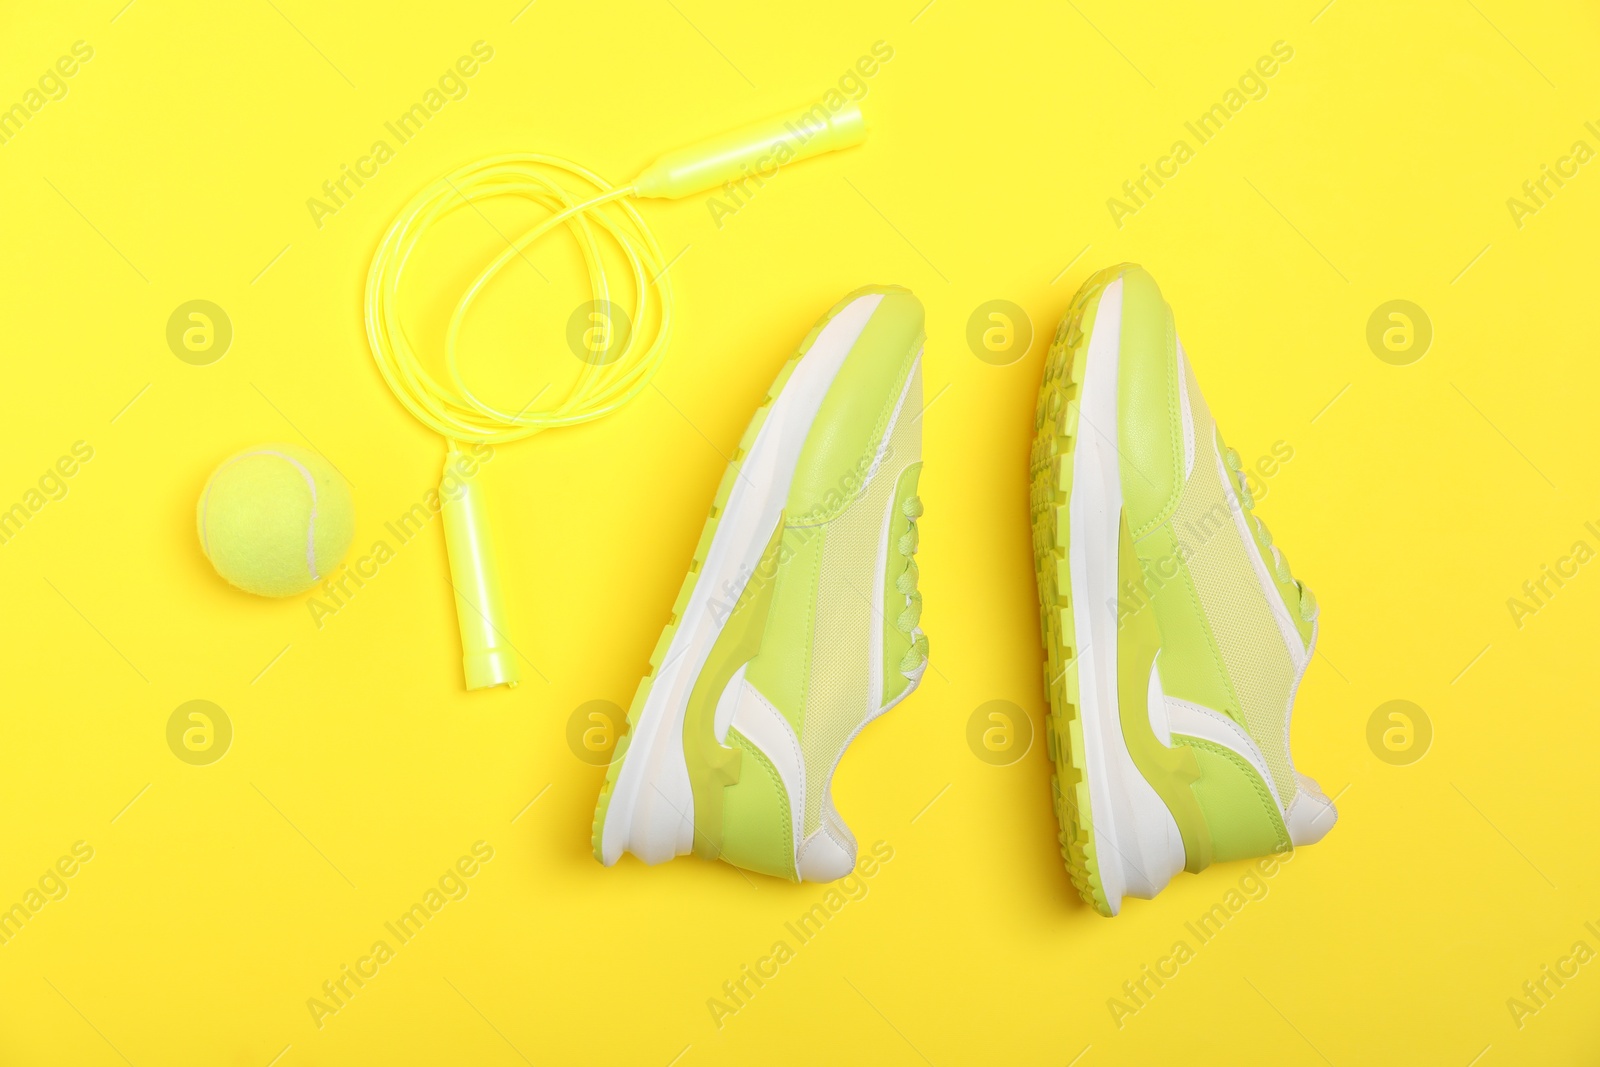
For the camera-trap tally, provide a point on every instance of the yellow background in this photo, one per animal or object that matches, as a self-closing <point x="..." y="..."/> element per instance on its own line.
<point x="1419" y="499"/>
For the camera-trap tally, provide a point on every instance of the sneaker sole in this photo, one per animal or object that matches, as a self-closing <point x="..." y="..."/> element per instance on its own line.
<point x="1117" y="837"/>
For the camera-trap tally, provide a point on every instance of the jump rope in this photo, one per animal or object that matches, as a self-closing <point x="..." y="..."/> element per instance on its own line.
<point x="597" y="214"/>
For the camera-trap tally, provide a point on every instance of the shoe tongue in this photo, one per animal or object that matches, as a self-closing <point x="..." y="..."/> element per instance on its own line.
<point x="1311" y="815"/>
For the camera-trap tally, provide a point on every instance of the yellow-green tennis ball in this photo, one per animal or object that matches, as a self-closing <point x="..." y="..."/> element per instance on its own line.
<point x="275" y="520"/>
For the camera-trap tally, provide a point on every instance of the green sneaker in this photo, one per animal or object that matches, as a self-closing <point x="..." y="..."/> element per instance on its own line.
<point x="799" y="621"/>
<point x="1174" y="633"/>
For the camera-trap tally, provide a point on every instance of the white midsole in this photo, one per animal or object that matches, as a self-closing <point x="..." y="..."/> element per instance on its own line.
<point x="1136" y="840"/>
<point x="651" y="812"/>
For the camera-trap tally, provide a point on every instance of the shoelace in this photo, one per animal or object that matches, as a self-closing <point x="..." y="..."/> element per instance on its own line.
<point x="1308" y="600"/>
<point x="906" y="584"/>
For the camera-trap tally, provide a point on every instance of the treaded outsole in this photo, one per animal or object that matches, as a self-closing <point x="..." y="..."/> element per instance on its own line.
<point x="702" y="549"/>
<point x="1050" y="469"/>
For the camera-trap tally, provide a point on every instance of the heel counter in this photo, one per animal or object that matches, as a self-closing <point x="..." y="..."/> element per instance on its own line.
<point x="1240" y="812"/>
<point x="757" y="819"/>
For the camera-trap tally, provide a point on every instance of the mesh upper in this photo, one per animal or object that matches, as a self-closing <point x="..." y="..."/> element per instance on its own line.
<point x="1254" y="656"/>
<point x="848" y="628"/>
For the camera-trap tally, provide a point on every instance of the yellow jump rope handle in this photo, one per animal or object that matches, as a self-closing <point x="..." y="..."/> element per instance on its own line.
<point x="485" y="653"/>
<point x="756" y="151"/>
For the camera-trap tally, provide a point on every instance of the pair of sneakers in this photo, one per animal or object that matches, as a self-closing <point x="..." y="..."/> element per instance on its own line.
<point x="1175" y="636"/>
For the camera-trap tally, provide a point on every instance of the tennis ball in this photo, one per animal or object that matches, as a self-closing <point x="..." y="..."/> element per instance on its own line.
<point x="275" y="520"/>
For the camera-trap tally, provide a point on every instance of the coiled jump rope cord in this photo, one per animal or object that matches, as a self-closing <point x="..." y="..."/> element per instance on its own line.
<point x="596" y="213"/>
<point x="603" y="221"/>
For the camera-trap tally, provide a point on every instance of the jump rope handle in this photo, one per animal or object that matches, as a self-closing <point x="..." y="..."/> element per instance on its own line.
<point x="486" y="654"/>
<point x="756" y="151"/>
